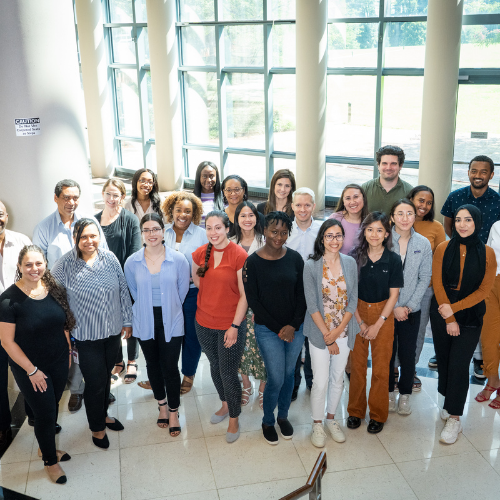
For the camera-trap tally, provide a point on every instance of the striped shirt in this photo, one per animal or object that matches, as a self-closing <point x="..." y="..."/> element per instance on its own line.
<point x="98" y="294"/>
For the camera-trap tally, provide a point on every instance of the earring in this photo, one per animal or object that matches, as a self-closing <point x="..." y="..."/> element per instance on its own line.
<point x="162" y="242"/>
<point x="144" y="245"/>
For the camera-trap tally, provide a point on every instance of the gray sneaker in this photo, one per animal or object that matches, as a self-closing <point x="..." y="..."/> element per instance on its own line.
<point x="404" y="407"/>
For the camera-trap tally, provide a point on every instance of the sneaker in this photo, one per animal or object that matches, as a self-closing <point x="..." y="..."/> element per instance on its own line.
<point x="392" y="402"/>
<point x="433" y="362"/>
<point x="404" y="407"/>
<point x="478" y="369"/>
<point x="318" y="436"/>
<point x="270" y="434"/>
<point x="286" y="429"/>
<point x="444" y="414"/>
<point x="337" y="434"/>
<point x="451" y="430"/>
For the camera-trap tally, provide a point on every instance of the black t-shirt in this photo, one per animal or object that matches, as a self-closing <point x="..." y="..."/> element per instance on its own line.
<point x="376" y="278"/>
<point x="39" y="326"/>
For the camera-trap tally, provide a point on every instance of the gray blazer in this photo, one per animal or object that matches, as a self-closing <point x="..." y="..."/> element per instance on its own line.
<point x="313" y="277"/>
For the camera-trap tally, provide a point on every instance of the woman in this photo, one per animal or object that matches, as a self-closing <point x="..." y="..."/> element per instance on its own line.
<point x="145" y="197"/>
<point x="183" y="212"/>
<point x="249" y="236"/>
<point x="380" y="278"/>
<point x="423" y="199"/>
<point x="100" y="300"/>
<point x="220" y="316"/>
<point x="121" y="229"/>
<point x="331" y="289"/>
<point x="463" y="271"/>
<point x="35" y="326"/>
<point x="280" y="194"/>
<point x="351" y="210"/>
<point x="416" y="256"/>
<point x="274" y="286"/>
<point x="158" y="279"/>
<point x="207" y="188"/>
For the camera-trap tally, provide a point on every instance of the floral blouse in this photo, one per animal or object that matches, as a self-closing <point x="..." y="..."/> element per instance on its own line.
<point x="334" y="299"/>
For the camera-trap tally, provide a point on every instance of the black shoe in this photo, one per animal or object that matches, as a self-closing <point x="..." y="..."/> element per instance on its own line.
<point x="295" y="393"/>
<point x="270" y="434"/>
<point x="433" y="362"/>
<point x="478" y="369"/>
<point x="115" y="426"/>
<point x="5" y="437"/>
<point x="353" y="422"/>
<point x="375" y="427"/>
<point x="348" y="376"/>
<point x="286" y="429"/>
<point x="111" y="399"/>
<point x="58" y="428"/>
<point x="101" y="443"/>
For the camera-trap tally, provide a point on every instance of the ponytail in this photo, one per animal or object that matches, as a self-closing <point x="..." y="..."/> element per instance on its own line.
<point x="202" y="270"/>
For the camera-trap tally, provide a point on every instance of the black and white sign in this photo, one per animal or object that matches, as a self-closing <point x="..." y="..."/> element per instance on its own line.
<point x="27" y="126"/>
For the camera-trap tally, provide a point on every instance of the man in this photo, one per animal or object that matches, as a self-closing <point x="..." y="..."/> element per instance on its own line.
<point x="304" y="232"/>
<point x="54" y="235"/>
<point x="388" y="187"/>
<point x="11" y="244"/>
<point x="479" y="194"/>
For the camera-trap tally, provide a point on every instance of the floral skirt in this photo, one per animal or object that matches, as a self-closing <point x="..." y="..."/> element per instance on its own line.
<point x="252" y="363"/>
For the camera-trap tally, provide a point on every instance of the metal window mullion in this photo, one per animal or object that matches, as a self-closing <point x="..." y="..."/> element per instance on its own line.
<point x="221" y="88"/>
<point x="182" y="83"/>
<point x="268" y="100"/>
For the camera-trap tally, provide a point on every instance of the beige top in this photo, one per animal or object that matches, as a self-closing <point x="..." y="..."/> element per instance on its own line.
<point x="334" y="299"/>
<point x="140" y="212"/>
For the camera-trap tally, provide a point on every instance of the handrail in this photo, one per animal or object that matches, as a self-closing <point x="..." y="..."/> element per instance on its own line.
<point x="313" y="482"/>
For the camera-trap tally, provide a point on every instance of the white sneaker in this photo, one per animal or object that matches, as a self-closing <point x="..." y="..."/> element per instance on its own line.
<point x="444" y="414"/>
<point x="404" y="406"/>
<point x="392" y="402"/>
<point x="451" y="430"/>
<point x="335" y="430"/>
<point x="318" y="436"/>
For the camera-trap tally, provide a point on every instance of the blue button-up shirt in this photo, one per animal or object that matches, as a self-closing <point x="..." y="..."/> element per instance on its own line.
<point x="174" y="286"/>
<point x="303" y="241"/>
<point x="98" y="294"/>
<point x="55" y="239"/>
<point x="489" y="204"/>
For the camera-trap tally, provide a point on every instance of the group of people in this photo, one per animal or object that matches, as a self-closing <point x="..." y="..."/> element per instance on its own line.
<point x="257" y="289"/>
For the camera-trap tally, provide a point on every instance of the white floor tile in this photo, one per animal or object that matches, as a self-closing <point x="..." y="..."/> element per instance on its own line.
<point x="493" y="458"/>
<point x="271" y="490"/>
<point x="14" y="476"/>
<point x="483" y="433"/>
<point x="205" y="495"/>
<point x="21" y="448"/>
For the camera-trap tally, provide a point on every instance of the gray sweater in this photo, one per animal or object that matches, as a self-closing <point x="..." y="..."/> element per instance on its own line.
<point x="313" y="288"/>
<point x="417" y="269"/>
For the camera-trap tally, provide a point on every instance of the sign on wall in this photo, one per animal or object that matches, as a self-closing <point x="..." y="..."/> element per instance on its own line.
<point x="27" y="126"/>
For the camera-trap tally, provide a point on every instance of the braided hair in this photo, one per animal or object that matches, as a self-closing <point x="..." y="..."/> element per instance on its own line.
<point x="55" y="289"/>
<point x="225" y="220"/>
<point x="277" y="217"/>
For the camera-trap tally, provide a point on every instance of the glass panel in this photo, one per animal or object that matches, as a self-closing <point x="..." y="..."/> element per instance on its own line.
<point x="460" y="177"/>
<point x="480" y="46"/>
<point x="281" y="9"/>
<point x="236" y="10"/>
<point x="146" y="45"/>
<point x="140" y="11"/>
<point x="123" y="45"/>
<point x="350" y="115"/>
<point x="127" y="102"/>
<point x="120" y="11"/>
<point x="196" y="10"/>
<point x="405" y="45"/>
<point x="477" y="111"/>
<point x="481" y="7"/>
<point x="403" y="113"/>
<point x="198" y="46"/>
<point x="410" y="175"/>
<point x="195" y="157"/>
<point x="352" y="45"/>
<point x="353" y="8"/>
<point x="402" y="8"/>
<point x="131" y="153"/>
<point x="280" y="163"/>
<point x="244" y="45"/>
<point x="284" y="112"/>
<point x="202" y="118"/>
<point x="245" y="110"/>
<point x="284" y="45"/>
<point x="150" y="107"/>
<point x="339" y="175"/>
<point x="251" y="168"/>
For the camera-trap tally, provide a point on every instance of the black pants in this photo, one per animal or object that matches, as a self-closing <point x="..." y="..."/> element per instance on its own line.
<point x="5" y="417"/>
<point x="97" y="359"/>
<point x="162" y="363"/>
<point x="308" y="373"/>
<point x="405" y="346"/>
<point x="45" y="404"/>
<point x="453" y="355"/>
<point x="132" y="350"/>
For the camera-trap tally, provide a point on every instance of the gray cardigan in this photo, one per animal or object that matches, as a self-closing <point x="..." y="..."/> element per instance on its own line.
<point x="313" y="288"/>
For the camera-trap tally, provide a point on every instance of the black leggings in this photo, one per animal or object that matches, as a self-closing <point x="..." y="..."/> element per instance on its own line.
<point x="132" y="350"/>
<point x="45" y="404"/>
<point x="162" y="363"/>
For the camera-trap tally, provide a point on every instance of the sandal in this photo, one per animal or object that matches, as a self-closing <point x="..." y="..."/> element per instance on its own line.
<point x="187" y="384"/>
<point x="417" y="383"/>
<point x="245" y="395"/>
<point x="162" y="423"/>
<point x="174" y="430"/>
<point x="261" y="400"/>
<point x="130" y="377"/>
<point x="481" y="398"/>
<point x="145" y="385"/>
<point x="116" y="376"/>
<point x="495" y="404"/>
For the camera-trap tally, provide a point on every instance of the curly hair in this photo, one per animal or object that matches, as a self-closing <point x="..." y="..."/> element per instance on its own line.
<point x="153" y="194"/>
<point x="225" y="220"/>
<point x="276" y="217"/>
<point x="393" y="151"/>
<point x="176" y="197"/>
<point x="55" y="289"/>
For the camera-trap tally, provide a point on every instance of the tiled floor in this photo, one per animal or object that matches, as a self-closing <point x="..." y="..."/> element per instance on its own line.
<point x="404" y="461"/>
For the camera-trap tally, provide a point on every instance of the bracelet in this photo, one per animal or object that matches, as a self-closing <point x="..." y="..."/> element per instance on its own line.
<point x="383" y="317"/>
<point x="362" y="323"/>
<point x="33" y="372"/>
<point x="328" y="345"/>
<point x="235" y="326"/>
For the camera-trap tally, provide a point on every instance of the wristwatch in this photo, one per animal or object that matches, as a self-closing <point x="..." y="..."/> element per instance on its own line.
<point x="383" y="317"/>
<point x="235" y="326"/>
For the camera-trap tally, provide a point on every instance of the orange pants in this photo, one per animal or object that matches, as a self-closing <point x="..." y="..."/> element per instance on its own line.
<point x="490" y="334"/>
<point x="381" y="357"/>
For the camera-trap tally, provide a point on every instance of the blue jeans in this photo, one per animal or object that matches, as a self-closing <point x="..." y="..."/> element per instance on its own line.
<point x="191" y="348"/>
<point x="280" y="358"/>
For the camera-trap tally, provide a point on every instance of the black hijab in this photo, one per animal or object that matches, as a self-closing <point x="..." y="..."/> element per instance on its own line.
<point x="474" y="269"/>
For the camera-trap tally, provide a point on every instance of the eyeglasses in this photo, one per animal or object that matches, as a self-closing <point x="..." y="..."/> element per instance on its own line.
<point x="112" y="196"/>
<point x="146" y="181"/>
<point x="402" y="215"/>
<point x="330" y="237"/>
<point x="155" y="230"/>
<point x="235" y="191"/>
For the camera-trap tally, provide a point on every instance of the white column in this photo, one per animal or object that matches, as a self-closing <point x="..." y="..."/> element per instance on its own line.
<point x="311" y="41"/>
<point x="40" y="79"/>
<point x="166" y="93"/>
<point x="98" y="100"/>
<point x="442" y="54"/>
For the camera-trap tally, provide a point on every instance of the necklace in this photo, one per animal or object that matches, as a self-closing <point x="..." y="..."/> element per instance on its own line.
<point x="154" y="261"/>
<point x="30" y="292"/>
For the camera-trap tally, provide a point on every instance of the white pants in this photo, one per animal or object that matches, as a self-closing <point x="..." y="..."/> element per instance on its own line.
<point x="328" y="381"/>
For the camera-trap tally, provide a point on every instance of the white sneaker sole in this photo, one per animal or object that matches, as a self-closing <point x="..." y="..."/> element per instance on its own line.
<point x="272" y="443"/>
<point x="318" y="445"/>
<point x="442" y="440"/>
<point x="405" y="413"/>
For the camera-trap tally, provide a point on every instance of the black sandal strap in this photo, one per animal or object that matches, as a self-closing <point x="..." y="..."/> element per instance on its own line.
<point x="163" y="404"/>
